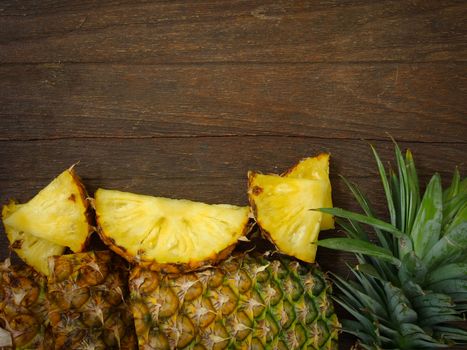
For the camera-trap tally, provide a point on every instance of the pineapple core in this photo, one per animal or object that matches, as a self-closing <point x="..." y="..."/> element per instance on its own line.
<point x="167" y="231"/>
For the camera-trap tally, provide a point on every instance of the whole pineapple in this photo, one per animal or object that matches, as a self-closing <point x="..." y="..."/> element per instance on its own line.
<point x="23" y="307"/>
<point x="87" y="294"/>
<point x="246" y="302"/>
<point x="411" y="284"/>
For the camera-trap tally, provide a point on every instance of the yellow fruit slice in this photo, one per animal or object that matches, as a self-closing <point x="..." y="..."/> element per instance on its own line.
<point x="282" y="208"/>
<point x="33" y="250"/>
<point x="316" y="168"/>
<point x="167" y="231"/>
<point x="58" y="214"/>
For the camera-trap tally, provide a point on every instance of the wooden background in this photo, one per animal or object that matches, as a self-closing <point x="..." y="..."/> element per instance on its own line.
<point x="181" y="98"/>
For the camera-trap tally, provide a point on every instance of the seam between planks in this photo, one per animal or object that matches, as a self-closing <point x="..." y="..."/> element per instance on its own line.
<point x="145" y="137"/>
<point x="233" y="63"/>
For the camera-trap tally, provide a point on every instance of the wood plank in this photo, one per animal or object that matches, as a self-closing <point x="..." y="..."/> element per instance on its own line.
<point x="170" y="159"/>
<point x="343" y="101"/>
<point x="232" y="31"/>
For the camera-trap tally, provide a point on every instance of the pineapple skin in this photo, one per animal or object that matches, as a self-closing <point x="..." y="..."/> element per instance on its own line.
<point x="246" y="302"/>
<point x="23" y="307"/>
<point x="166" y="267"/>
<point x="87" y="302"/>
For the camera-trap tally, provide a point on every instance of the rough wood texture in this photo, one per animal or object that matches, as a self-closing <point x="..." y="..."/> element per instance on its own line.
<point x="181" y="98"/>
<point x="232" y="31"/>
<point x="328" y="101"/>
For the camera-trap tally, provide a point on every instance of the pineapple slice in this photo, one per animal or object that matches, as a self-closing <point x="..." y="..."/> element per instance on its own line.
<point x="316" y="168"/>
<point x="166" y="231"/>
<point x="54" y="219"/>
<point x="33" y="250"/>
<point x="282" y="208"/>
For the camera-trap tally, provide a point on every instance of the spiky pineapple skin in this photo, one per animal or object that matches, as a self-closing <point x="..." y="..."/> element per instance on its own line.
<point x="23" y="307"/>
<point x="87" y="306"/>
<point x="246" y="302"/>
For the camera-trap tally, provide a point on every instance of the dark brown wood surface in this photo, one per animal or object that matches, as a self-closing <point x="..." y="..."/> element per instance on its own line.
<point x="181" y="98"/>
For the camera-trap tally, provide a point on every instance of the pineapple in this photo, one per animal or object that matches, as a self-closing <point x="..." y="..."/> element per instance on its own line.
<point x="282" y="206"/>
<point x="411" y="284"/>
<point x="54" y="219"/>
<point x="246" y="302"/>
<point x="87" y="293"/>
<point x="168" y="234"/>
<point x="23" y="307"/>
<point x="316" y="168"/>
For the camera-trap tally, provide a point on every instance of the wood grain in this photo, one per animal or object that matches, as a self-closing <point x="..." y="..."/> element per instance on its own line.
<point x="232" y="31"/>
<point x="329" y="101"/>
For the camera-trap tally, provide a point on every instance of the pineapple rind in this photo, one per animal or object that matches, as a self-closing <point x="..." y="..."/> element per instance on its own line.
<point x="245" y="302"/>
<point x="167" y="231"/>
<point x="23" y="307"/>
<point x="283" y="210"/>
<point x="87" y="294"/>
<point x="58" y="213"/>
<point x="316" y="168"/>
<point x="33" y="250"/>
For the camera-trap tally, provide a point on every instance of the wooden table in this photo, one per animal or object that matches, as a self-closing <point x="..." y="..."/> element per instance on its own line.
<point x="181" y="98"/>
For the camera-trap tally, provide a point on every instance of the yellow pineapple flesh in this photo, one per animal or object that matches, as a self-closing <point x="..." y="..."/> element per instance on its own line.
<point x="283" y="209"/>
<point x="33" y="250"/>
<point x="168" y="232"/>
<point x="56" y="218"/>
<point x="316" y="168"/>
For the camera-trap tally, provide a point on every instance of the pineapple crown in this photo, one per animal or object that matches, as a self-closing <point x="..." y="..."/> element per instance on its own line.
<point x="410" y="283"/>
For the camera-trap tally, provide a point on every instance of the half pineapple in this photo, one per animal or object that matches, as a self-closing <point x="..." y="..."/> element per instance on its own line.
<point x="283" y="206"/>
<point x="169" y="234"/>
<point x="54" y="219"/>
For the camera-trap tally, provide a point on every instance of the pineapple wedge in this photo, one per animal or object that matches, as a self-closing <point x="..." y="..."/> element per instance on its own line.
<point x="282" y="208"/>
<point x="168" y="233"/>
<point x="316" y="168"/>
<point x="54" y="219"/>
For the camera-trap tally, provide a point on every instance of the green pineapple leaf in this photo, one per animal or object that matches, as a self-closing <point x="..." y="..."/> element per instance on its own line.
<point x="427" y="226"/>
<point x="452" y="208"/>
<point x="446" y="272"/>
<point x="453" y="189"/>
<point x="452" y="333"/>
<point x="413" y="189"/>
<point x="361" y="247"/>
<point x="452" y="245"/>
<point x="386" y="241"/>
<point x="387" y="188"/>
<point x="362" y="219"/>
<point x="412" y="269"/>
<point x="403" y="188"/>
